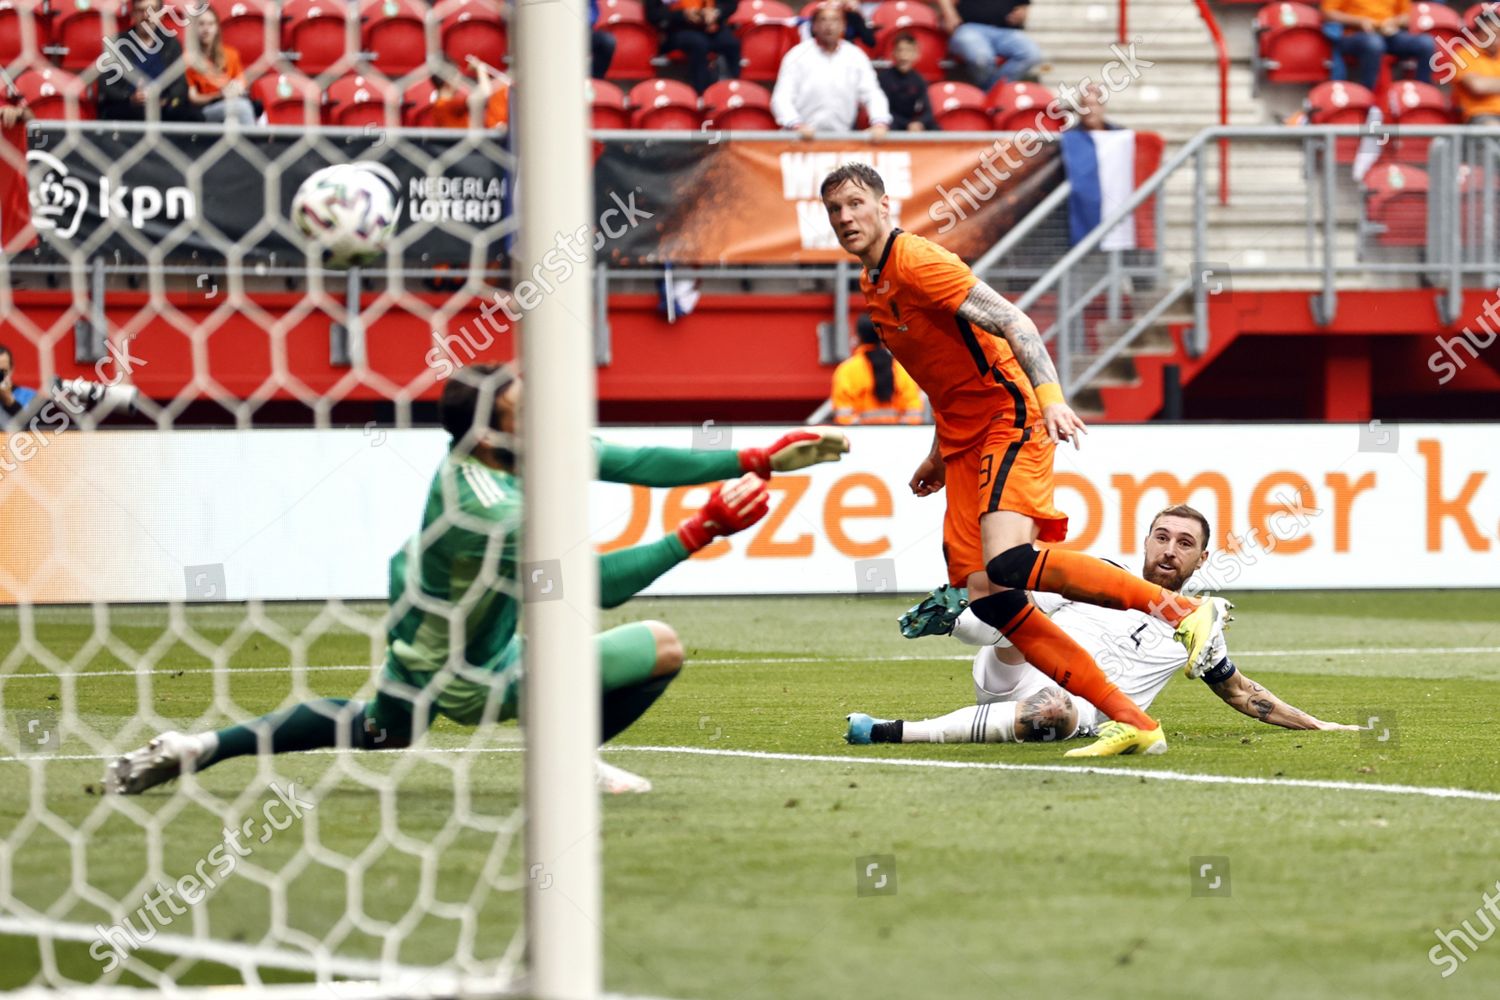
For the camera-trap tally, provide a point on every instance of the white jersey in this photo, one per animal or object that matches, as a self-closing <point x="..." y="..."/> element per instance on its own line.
<point x="1135" y="651"/>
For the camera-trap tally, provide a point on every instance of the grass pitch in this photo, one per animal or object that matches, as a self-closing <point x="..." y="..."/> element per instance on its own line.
<point x="744" y="874"/>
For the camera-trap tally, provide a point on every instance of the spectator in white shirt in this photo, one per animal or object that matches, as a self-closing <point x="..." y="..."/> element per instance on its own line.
<point x="824" y="80"/>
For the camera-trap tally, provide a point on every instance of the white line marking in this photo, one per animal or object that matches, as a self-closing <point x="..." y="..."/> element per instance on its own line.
<point x="773" y="660"/>
<point x="954" y="765"/>
<point x="1126" y="772"/>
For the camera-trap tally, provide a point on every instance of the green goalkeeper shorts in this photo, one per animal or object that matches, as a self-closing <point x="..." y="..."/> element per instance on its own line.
<point x="493" y="692"/>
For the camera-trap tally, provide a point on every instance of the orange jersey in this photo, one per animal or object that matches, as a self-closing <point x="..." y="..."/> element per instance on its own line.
<point x="971" y="378"/>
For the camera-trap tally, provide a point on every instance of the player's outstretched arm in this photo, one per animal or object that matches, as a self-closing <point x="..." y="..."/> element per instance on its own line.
<point x="1244" y="695"/>
<point x="733" y="507"/>
<point x="691" y="466"/>
<point x="992" y="312"/>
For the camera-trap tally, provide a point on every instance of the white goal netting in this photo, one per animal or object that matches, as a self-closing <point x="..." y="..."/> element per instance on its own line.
<point x="198" y="533"/>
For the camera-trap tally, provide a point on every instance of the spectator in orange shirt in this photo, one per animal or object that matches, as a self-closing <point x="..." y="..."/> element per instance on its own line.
<point x="215" y="77"/>
<point x="871" y="388"/>
<point x="1374" y="29"/>
<point x="1477" y="83"/>
<point x="451" y="107"/>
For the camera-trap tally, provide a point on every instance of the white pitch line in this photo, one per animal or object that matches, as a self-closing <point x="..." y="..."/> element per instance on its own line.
<point x="951" y="765"/>
<point x="772" y="660"/>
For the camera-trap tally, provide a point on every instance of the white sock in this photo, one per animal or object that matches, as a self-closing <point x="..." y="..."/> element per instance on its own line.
<point x="991" y="723"/>
<point x="975" y="631"/>
<point x="207" y="743"/>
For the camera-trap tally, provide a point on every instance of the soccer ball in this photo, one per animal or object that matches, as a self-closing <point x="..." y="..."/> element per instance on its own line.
<point x="349" y="210"/>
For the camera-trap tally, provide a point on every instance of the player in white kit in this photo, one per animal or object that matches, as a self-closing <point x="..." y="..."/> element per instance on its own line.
<point x="1015" y="702"/>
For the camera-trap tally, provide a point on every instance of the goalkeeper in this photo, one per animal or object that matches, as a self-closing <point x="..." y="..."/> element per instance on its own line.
<point x="457" y="582"/>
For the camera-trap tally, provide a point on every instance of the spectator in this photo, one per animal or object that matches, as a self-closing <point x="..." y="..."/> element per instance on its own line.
<point x="1089" y="108"/>
<point x="870" y="387"/>
<point x="16" y="232"/>
<point x="450" y="104"/>
<point x="494" y="90"/>
<point x="14" y="399"/>
<point x="1477" y="83"/>
<point x="601" y="45"/>
<point x="984" y="30"/>
<point x="699" y="29"/>
<point x="823" y="80"/>
<point x="1373" y="29"/>
<point x="145" y="54"/>
<point x="856" y="28"/>
<point x="215" y="76"/>
<point x="905" y="90"/>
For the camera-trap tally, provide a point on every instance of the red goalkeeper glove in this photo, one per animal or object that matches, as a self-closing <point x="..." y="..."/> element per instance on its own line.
<point x="796" y="450"/>
<point x="734" y="506"/>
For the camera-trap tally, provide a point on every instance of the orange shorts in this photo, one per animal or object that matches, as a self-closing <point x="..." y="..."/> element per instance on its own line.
<point x="1009" y="470"/>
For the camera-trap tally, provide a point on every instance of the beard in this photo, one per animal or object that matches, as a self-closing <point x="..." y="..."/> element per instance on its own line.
<point x="1169" y="579"/>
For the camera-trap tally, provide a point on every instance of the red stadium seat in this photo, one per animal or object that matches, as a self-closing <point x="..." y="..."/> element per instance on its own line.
<point x="1435" y="19"/>
<point x="417" y="105"/>
<point x="921" y="22"/>
<point x="959" y="107"/>
<point x="290" y="98"/>
<point x="636" y="44"/>
<point x="80" y="27"/>
<point x="739" y="106"/>
<point x="1471" y="18"/>
<point x="664" y="104"/>
<point x="1022" y="105"/>
<point x="615" y="11"/>
<point x="245" y="25"/>
<point x="24" y="31"/>
<point x="608" y="104"/>
<point x="767" y="31"/>
<point x="316" y="30"/>
<point x="394" y="34"/>
<point x="472" y="28"/>
<point x="1291" y="46"/>
<point x="1408" y="102"/>
<point x="1396" y="204"/>
<point x="1340" y="103"/>
<point x="356" y="100"/>
<point x="47" y="90"/>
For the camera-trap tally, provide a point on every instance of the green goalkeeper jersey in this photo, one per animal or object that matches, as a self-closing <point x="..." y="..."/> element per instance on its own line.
<point x="467" y="554"/>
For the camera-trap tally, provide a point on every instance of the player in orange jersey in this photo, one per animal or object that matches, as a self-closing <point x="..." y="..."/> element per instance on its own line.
<point x="1000" y="413"/>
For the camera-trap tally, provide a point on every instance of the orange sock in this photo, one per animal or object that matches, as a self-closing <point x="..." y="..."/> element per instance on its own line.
<point x="1080" y="577"/>
<point x="1054" y="653"/>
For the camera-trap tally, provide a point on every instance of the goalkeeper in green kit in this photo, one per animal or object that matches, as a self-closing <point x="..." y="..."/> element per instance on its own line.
<point x="453" y="648"/>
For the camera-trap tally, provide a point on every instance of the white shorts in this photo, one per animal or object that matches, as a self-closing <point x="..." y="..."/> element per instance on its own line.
<point x="995" y="680"/>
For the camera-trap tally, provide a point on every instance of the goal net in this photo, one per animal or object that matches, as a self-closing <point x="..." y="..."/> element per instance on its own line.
<point x="228" y="443"/>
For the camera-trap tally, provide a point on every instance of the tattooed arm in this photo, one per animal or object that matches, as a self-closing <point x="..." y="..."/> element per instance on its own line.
<point x="992" y="312"/>
<point x="1244" y="695"/>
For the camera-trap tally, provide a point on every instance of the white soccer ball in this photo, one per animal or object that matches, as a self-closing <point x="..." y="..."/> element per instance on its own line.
<point x="350" y="210"/>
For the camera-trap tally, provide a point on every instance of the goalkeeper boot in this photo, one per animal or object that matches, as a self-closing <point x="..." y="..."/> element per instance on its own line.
<point x="859" y="729"/>
<point x="618" y="781"/>
<point x="935" y="613"/>
<point x="156" y="763"/>
<point x="1117" y="738"/>
<point x="1201" y="631"/>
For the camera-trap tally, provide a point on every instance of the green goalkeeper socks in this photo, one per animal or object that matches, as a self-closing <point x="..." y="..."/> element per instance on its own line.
<point x="308" y="726"/>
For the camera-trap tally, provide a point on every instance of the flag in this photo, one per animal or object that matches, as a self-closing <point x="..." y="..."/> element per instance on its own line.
<point x="678" y="296"/>
<point x="1104" y="167"/>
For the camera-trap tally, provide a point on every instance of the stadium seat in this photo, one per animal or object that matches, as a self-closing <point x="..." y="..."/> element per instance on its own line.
<point x="1435" y="19"/>
<point x="607" y="102"/>
<point x="79" y="27"/>
<point x="918" y="20"/>
<point x="614" y="11"/>
<point x="394" y="35"/>
<point x="636" y="44"/>
<point x="356" y="100"/>
<point x="315" y="30"/>
<point x="24" y="31"/>
<point x="959" y="107"/>
<point x="664" y="104"/>
<point x="47" y="89"/>
<point x="245" y="24"/>
<point x="472" y="28"/>
<point x="739" y="106"/>
<point x="1340" y="103"/>
<point x="1408" y="102"/>
<point x="1396" y="204"/>
<point x="1021" y="105"/>
<point x="1473" y="14"/>
<point x="767" y="31"/>
<point x="290" y="98"/>
<point x="1290" y="44"/>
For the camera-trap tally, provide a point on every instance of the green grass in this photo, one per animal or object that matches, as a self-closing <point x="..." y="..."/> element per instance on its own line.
<point x="736" y="877"/>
